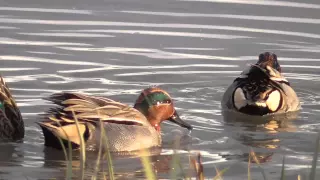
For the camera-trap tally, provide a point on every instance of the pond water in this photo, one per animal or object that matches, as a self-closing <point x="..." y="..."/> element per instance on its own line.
<point x="191" y="48"/>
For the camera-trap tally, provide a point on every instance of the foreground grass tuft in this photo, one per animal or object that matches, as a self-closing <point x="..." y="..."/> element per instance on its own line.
<point x="315" y="159"/>
<point x="195" y="162"/>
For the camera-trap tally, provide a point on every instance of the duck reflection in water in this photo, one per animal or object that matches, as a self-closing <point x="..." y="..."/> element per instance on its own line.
<point x="126" y="165"/>
<point x="261" y="134"/>
<point x="54" y="158"/>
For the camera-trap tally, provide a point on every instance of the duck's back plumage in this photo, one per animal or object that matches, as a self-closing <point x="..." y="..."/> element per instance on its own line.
<point x="122" y="124"/>
<point x="11" y="123"/>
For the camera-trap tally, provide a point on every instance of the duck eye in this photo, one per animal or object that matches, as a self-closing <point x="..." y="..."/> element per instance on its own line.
<point x="157" y="102"/>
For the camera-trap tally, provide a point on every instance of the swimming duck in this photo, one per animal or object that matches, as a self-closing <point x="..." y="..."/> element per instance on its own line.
<point x="11" y="122"/>
<point x="126" y="128"/>
<point x="261" y="89"/>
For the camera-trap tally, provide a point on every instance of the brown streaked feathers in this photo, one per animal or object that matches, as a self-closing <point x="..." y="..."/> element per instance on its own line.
<point x="11" y="122"/>
<point x="127" y="128"/>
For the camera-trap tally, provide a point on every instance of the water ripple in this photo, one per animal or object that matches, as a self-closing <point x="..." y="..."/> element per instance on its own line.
<point x="230" y="16"/>
<point x="301" y="66"/>
<point x="159" y="33"/>
<point x="8" y="27"/>
<point x="145" y="67"/>
<point x="17" y="69"/>
<point x="264" y="2"/>
<point x="176" y="72"/>
<point x="130" y="24"/>
<point x="67" y="34"/>
<point x="38" y="43"/>
<point x="51" y="61"/>
<point x="46" y="10"/>
<point x="192" y="49"/>
<point x="151" y="53"/>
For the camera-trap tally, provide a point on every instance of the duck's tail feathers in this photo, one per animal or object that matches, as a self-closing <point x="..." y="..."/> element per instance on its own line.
<point x="5" y="94"/>
<point x="53" y="131"/>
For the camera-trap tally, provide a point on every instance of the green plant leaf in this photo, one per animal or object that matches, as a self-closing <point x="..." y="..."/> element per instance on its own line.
<point x="315" y="159"/>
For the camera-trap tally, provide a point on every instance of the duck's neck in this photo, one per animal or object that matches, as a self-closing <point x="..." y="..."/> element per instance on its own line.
<point x="143" y="109"/>
<point x="154" y="122"/>
<point x="157" y="127"/>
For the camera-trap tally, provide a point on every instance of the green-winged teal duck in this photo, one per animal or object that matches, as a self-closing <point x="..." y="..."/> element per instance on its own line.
<point x="11" y="123"/>
<point x="261" y="89"/>
<point x="127" y="128"/>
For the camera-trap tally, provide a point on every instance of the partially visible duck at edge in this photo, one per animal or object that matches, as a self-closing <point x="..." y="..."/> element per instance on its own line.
<point x="11" y="122"/>
<point x="126" y="128"/>
<point x="261" y="90"/>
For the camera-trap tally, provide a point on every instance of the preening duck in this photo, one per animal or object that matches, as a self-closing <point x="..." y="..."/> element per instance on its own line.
<point x="261" y="89"/>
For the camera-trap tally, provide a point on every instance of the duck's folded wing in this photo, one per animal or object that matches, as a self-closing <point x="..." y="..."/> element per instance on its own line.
<point x="11" y="120"/>
<point x="92" y="109"/>
<point x="6" y="98"/>
<point x="53" y="130"/>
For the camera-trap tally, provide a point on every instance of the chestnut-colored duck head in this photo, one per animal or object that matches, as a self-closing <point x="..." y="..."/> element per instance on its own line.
<point x="157" y="106"/>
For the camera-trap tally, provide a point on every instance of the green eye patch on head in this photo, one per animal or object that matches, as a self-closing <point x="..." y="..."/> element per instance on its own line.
<point x="155" y="98"/>
<point x="1" y="105"/>
<point x="148" y="99"/>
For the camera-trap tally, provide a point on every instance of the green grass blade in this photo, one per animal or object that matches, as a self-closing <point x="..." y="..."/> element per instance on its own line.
<point x="249" y="165"/>
<point x="220" y="173"/>
<point x="69" y="160"/>
<point x="283" y="169"/>
<point x="82" y="148"/>
<point x="94" y="177"/>
<point x="69" y="165"/>
<point x="315" y="159"/>
<point x="107" y="152"/>
<point x="174" y="165"/>
<point x="110" y="166"/>
<point x="258" y="163"/>
<point x="175" y="159"/>
<point x="196" y="163"/>
<point x="184" y="174"/>
<point x="148" y="170"/>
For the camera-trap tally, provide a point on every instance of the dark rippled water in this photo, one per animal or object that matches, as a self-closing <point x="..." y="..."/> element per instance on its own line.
<point x="193" y="49"/>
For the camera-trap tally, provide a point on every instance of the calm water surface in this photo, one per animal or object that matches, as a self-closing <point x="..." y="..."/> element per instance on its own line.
<point x="193" y="49"/>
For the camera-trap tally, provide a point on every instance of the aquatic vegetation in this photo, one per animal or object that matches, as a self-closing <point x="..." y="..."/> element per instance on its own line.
<point x="196" y="167"/>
